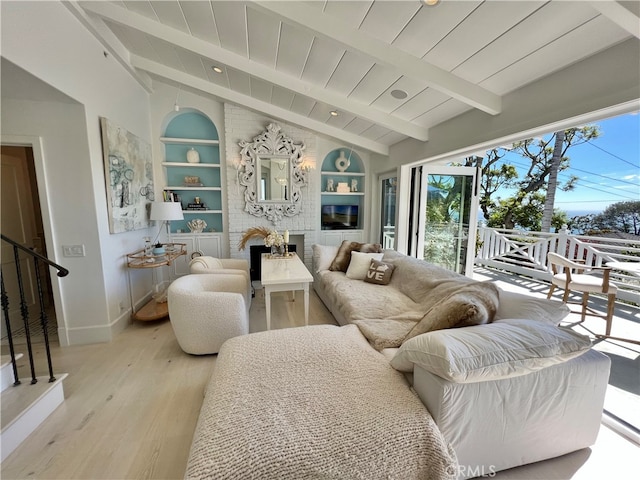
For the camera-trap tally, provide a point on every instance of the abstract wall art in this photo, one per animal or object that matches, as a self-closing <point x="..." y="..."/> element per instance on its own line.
<point x="129" y="178"/>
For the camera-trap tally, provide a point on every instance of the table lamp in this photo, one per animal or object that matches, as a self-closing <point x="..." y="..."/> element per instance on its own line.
<point x="165" y="212"/>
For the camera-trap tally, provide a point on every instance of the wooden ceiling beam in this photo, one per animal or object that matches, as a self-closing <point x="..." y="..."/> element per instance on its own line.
<point x="619" y="15"/>
<point x="109" y="41"/>
<point x="218" y="54"/>
<point x="385" y="54"/>
<point x="210" y="88"/>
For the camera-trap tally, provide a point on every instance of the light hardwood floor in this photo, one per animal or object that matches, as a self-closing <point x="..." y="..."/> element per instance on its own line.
<point x="132" y="405"/>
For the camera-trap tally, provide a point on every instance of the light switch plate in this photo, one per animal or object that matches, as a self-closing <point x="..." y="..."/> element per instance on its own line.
<point x="73" y="250"/>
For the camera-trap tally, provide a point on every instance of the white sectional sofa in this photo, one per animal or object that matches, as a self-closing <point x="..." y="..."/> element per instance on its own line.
<point x="513" y="390"/>
<point x="320" y="402"/>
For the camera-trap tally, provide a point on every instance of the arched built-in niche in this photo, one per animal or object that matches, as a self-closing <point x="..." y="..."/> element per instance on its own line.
<point x="342" y="185"/>
<point x="186" y="132"/>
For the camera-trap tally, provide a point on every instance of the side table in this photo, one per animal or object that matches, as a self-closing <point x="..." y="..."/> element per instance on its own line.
<point x="153" y="310"/>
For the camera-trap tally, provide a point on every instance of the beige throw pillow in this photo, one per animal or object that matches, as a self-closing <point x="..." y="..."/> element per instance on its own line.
<point x="379" y="273"/>
<point x="360" y="262"/>
<point x="322" y="256"/>
<point x="343" y="257"/>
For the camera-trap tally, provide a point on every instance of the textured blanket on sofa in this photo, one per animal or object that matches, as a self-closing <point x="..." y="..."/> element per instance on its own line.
<point x="313" y="402"/>
<point x="420" y="298"/>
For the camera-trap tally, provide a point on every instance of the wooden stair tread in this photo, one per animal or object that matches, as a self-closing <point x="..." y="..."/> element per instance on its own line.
<point x="17" y="400"/>
<point x="6" y="359"/>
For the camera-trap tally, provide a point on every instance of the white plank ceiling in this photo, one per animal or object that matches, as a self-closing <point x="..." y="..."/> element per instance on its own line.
<point x="299" y="61"/>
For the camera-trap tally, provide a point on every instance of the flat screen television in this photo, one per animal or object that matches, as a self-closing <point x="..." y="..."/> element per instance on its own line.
<point x="338" y="217"/>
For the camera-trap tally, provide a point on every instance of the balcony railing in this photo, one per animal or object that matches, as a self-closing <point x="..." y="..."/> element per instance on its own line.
<point x="525" y="253"/>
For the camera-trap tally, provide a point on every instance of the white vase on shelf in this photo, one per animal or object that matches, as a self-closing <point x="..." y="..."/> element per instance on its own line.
<point x="193" y="156"/>
<point x="342" y="162"/>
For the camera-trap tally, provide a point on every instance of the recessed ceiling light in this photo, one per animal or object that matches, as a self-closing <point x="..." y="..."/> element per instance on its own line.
<point x="216" y="69"/>
<point x="334" y="113"/>
<point x="429" y="3"/>
<point x="399" y="94"/>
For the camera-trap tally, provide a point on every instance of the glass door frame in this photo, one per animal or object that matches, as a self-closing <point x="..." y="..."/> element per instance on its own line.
<point x="472" y="174"/>
<point x="410" y="226"/>
<point x="381" y="179"/>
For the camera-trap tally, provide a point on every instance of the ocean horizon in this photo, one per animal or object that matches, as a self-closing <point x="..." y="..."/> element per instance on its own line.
<point x="581" y="213"/>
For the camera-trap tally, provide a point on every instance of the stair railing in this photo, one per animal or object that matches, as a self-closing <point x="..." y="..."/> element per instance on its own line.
<point x="24" y="310"/>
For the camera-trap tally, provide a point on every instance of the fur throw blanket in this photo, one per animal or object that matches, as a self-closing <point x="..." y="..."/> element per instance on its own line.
<point x="451" y="302"/>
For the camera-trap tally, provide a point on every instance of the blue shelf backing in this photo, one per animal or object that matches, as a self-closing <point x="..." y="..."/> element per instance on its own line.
<point x="329" y="162"/>
<point x="177" y="152"/>
<point x="192" y="125"/>
<point x="213" y="220"/>
<point x="209" y="177"/>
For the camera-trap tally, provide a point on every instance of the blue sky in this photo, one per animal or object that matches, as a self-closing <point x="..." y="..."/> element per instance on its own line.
<point x="608" y="167"/>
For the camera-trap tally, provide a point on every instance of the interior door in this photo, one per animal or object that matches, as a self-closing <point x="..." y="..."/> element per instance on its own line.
<point x="18" y="223"/>
<point x="447" y="220"/>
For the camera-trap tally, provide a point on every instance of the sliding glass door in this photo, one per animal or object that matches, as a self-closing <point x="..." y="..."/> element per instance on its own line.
<point x="446" y="225"/>
<point x="388" y="184"/>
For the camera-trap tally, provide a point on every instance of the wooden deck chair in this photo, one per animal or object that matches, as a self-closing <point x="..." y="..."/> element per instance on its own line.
<point x="576" y="277"/>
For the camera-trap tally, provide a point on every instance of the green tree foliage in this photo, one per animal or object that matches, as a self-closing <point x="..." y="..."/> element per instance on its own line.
<point x="582" y="224"/>
<point x="526" y="214"/>
<point x="620" y="217"/>
<point x="494" y="177"/>
<point x="519" y="210"/>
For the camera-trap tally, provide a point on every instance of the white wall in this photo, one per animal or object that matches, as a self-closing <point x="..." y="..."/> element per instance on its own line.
<point x="72" y="61"/>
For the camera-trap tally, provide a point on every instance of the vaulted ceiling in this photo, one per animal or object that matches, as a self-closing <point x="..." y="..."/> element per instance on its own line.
<point x="389" y="69"/>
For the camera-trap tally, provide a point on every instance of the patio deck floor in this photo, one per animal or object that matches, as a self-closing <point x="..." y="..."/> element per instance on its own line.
<point x="623" y="393"/>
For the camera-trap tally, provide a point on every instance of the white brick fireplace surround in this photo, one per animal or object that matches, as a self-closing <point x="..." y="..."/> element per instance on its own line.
<point x="242" y="124"/>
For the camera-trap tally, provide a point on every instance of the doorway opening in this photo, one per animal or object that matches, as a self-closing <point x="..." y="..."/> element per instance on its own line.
<point x="21" y="220"/>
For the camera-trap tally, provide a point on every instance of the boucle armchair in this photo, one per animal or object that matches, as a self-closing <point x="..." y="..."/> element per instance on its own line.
<point x="205" y="310"/>
<point x="226" y="266"/>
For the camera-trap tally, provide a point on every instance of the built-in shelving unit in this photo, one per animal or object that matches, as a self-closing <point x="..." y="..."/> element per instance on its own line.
<point x="187" y="131"/>
<point x="354" y="177"/>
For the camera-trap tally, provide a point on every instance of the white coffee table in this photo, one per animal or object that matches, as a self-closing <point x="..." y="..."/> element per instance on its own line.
<point x="284" y="274"/>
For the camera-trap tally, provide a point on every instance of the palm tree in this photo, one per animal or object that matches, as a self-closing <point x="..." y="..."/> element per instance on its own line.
<point x="553" y="182"/>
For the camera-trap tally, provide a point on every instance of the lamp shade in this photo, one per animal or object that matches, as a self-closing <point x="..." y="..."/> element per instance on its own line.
<point x="166" y="211"/>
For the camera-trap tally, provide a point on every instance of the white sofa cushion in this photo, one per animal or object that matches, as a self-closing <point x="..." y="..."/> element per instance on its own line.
<point x="359" y="264"/>
<point x="323" y="255"/>
<point x="488" y="352"/>
<point x="517" y="305"/>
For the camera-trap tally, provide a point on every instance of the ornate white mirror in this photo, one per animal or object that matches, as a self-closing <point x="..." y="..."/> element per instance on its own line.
<point x="272" y="174"/>
<point x="274" y="178"/>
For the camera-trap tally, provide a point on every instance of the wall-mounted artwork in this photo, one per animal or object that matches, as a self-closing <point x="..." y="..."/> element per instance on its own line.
<point x="129" y="177"/>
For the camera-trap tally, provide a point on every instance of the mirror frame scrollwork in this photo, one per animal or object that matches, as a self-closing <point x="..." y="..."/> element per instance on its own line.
<point x="271" y="143"/>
